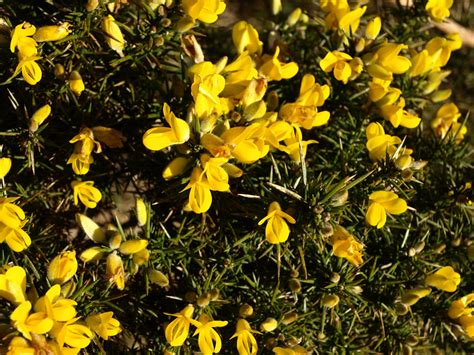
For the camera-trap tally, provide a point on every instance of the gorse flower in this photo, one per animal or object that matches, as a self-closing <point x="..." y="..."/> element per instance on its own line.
<point x="200" y="196"/>
<point x="161" y="137"/>
<point x="39" y="117"/>
<point x="439" y="9"/>
<point x="57" y="308"/>
<point x="342" y="65"/>
<point x="379" y="144"/>
<point x="86" y="193"/>
<point x="52" y="33"/>
<point x="245" y="38"/>
<point x="63" y="267"/>
<point x="381" y="203"/>
<point x="104" y="325"/>
<point x="115" y="270"/>
<point x="206" y="11"/>
<point x="27" y="323"/>
<point x="344" y="245"/>
<point x="113" y="34"/>
<point x="209" y="340"/>
<point x="12" y="221"/>
<point x="5" y="166"/>
<point x="273" y="69"/>
<point x="445" y="279"/>
<point x="276" y="230"/>
<point x="177" y="331"/>
<point x="246" y="342"/>
<point x="76" y="84"/>
<point x="13" y="285"/>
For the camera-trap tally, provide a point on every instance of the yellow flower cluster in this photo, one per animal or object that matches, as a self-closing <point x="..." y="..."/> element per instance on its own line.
<point x="50" y="323"/>
<point x="229" y="118"/>
<point x="112" y="246"/>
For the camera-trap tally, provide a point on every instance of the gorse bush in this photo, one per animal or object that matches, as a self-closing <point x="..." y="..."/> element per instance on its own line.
<point x="177" y="179"/>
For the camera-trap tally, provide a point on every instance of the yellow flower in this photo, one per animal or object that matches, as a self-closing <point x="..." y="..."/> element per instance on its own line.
<point x="467" y="322"/>
<point x="63" y="267"/>
<point x="216" y="175"/>
<point x="30" y="70"/>
<point x="438" y="9"/>
<point x="176" y="168"/>
<point x="113" y="34"/>
<point x="72" y="333"/>
<point x="344" y="245"/>
<point x="92" y="230"/>
<point x="304" y="111"/>
<point x="21" y="39"/>
<point x="86" y="192"/>
<point x="382" y="202"/>
<point x="52" y="33"/>
<point x="445" y="117"/>
<point x="5" y="166"/>
<point x="398" y="116"/>
<point x="247" y="144"/>
<point x="412" y="296"/>
<point x="38" y="117"/>
<point x="205" y="91"/>
<point x="246" y="343"/>
<point x="330" y="301"/>
<point x="349" y="21"/>
<point x="177" y="331"/>
<point x="20" y="346"/>
<point x="386" y="61"/>
<point x="342" y="64"/>
<point x="245" y="38"/>
<point x="159" y="138"/>
<point x="440" y="49"/>
<point x="460" y="307"/>
<point x="200" y="197"/>
<point x="27" y="323"/>
<point x="16" y="238"/>
<point x="294" y="143"/>
<point x="115" y="270"/>
<point x="273" y="69"/>
<point x="141" y="211"/>
<point x="276" y="230"/>
<point x="80" y="163"/>
<point x="373" y="28"/>
<point x="269" y="325"/>
<point x="13" y="285"/>
<point x="133" y="246"/>
<point x="55" y="306"/>
<point x="92" y="254"/>
<point x="75" y="83"/>
<point x="209" y="340"/>
<point x="204" y="10"/>
<point x="104" y="325"/>
<point x="445" y="279"/>
<point x="380" y="144"/>
<point x="11" y="215"/>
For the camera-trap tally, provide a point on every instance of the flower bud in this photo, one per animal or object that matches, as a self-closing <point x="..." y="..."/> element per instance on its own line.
<point x="401" y="308"/>
<point x="245" y="310"/>
<point x="75" y="83"/>
<point x="294" y="285"/>
<point x="289" y="317"/>
<point x="39" y="116"/>
<point x="215" y="293"/>
<point x="294" y="17"/>
<point x="113" y="34"/>
<point x="92" y="5"/>
<point x="204" y="300"/>
<point x="330" y="301"/>
<point x="59" y="71"/>
<point x="269" y="325"/>
<point x="190" y="297"/>
<point x="92" y="254"/>
<point x="373" y="28"/>
<point x="335" y="277"/>
<point x="63" y="267"/>
<point x="141" y="257"/>
<point x="157" y="277"/>
<point x="52" y="33"/>
<point x="276" y="7"/>
<point x="133" y="246"/>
